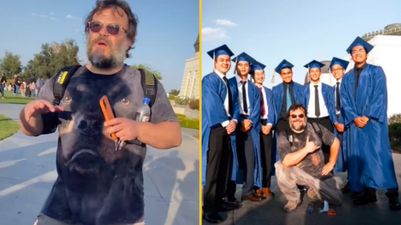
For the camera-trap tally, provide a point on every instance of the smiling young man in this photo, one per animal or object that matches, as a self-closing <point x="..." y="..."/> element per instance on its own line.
<point x="248" y="143"/>
<point x="364" y="101"/>
<point x="219" y="122"/>
<point x="285" y="94"/>
<point x="319" y="102"/>
<point x="266" y="121"/>
<point x="337" y="69"/>
<point x="97" y="183"/>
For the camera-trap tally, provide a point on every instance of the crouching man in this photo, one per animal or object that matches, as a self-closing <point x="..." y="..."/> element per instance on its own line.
<point x="302" y="161"/>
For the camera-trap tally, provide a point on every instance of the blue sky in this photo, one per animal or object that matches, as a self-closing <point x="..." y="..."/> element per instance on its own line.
<point x="298" y="31"/>
<point x="167" y="31"/>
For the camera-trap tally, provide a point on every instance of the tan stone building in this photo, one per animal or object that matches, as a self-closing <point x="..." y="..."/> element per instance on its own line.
<point x="190" y="80"/>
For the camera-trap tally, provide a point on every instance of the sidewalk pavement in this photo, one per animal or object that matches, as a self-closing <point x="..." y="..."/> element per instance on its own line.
<point x="269" y="212"/>
<point x="28" y="170"/>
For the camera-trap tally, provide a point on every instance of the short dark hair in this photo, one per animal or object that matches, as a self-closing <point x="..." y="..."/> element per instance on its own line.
<point x="294" y="107"/>
<point x="115" y="4"/>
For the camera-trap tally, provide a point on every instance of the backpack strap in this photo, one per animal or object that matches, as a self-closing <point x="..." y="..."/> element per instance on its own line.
<point x="149" y="85"/>
<point x="61" y="81"/>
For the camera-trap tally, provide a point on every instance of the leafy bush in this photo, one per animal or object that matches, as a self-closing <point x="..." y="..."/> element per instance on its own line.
<point x="194" y="104"/>
<point x="188" y="123"/>
<point x="395" y="136"/>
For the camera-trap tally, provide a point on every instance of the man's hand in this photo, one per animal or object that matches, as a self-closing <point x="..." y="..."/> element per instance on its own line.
<point x="125" y="129"/>
<point x="339" y="127"/>
<point x="327" y="168"/>
<point x="246" y="125"/>
<point x="266" y="129"/>
<point x="30" y="116"/>
<point x="38" y="107"/>
<point x="310" y="146"/>
<point x="230" y="128"/>
<point x="361" y="121"/>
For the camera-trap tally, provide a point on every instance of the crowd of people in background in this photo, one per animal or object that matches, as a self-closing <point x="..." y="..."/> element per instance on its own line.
<point x="20" y="86"/>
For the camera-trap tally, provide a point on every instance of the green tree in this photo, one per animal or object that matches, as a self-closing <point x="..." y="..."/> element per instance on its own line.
<point x="174" y="92"/>
<point x="396" y="118"/>
<point x="52" y="58"/>
<point x="149" y="70"/>
<point x="194" y="104"/>
<point x="10" y="64"/>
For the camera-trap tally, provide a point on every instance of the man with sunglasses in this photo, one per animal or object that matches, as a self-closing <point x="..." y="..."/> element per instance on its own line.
<point x="99" y="182"/>
<point x="302" y="161"/>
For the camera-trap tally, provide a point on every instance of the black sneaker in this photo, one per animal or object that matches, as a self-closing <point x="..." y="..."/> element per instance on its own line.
<point x="365" y="198"/>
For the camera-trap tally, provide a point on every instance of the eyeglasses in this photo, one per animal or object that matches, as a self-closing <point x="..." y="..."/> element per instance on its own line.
<point x="112" y="29"/>
<point x="294" y="116"/>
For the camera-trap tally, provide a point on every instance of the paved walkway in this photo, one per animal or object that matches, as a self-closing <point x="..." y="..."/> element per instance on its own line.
<point x="27" y="172"/>
<point x="269" y="212"/>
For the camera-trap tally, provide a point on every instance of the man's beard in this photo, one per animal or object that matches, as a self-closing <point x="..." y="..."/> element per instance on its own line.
<point x="299" y="128"/>
<point x="99" y="60"/>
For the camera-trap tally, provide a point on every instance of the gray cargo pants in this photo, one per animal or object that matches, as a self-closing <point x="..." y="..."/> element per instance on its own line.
<point x="288" y="178"/>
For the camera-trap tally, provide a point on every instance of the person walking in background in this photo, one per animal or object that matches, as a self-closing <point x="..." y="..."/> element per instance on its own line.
<point x="364" y="101"/>
<point x="3" y="85"/>
<point x="266" y="121"/>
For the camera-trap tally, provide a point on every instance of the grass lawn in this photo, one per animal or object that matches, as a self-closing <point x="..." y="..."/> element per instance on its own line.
<point x="15" y="99"/>
<point x="8" y="127"/>
<point x="188" y="123"/>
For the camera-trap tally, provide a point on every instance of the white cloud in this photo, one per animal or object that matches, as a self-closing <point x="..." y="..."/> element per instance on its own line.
<point x="45" y="16"/>
<point x="225" y="23"/>
<point x="71" y="17"/>
<point x="213" y="34"/>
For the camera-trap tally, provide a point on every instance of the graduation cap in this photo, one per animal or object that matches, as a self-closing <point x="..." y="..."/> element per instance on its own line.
<point x="222" y="50"/>
<point x="282" y="65"/>
<point x="338" y="61"/>
<point x="314" y="64"/>
<point x="244" y="57"/>
<point x="258" y="66"/>
<point x="360" y="42"/>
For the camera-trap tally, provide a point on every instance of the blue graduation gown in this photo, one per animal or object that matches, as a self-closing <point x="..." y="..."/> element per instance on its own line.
<point x="254" y="116"/>
<point x="214" y="92"/>
<point x="278" y="95"/>
<point x="370" y="162"/>
<point x="341" y="164"/>
<point x="328" y="96"/>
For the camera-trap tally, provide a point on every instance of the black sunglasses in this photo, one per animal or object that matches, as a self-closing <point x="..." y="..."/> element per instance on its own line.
<point x="294" y="116"/>
<point x="112" y="29"/>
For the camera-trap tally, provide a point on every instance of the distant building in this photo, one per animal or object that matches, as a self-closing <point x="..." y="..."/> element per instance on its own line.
<point x="391" y="29"/>
<point x="190" y="80"/>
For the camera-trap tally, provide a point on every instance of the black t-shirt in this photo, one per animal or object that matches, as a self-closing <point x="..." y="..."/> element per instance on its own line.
<point x="289" y="141"/>
<point x="96" y="184"/>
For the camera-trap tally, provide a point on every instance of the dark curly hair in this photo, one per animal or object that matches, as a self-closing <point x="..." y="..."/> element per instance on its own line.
<point x="116" y="4"/>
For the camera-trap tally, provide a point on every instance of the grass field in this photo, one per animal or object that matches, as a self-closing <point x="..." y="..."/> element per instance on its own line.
<point x="7" y="127"/>
<point x="188" y="123"/>
<point x="15" y="99"/>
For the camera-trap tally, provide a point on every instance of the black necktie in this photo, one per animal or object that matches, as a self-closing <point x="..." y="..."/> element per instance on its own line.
<point x="230" y="101"/>
<point x="338" y="103"/>
<point x="262" y="103"/>
<point x="244" y="97"/>
<point x="317" y="108"/>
